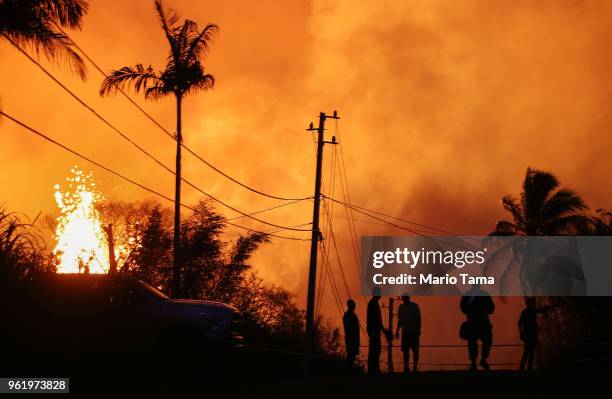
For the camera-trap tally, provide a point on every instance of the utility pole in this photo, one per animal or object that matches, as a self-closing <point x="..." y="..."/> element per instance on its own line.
<point x="316" y="235"/>
<point x="390" y="338"/>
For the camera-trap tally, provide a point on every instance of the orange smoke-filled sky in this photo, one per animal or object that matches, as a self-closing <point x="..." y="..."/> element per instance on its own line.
<point x="444" y="104"/>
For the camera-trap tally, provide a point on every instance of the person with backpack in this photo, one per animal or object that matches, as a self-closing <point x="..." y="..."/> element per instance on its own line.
<point x="477" y="305"/>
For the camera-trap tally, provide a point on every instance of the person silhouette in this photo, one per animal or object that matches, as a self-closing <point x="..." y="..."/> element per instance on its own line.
<point x="477" y="305"/>
<point x="374" y="329"/>
<point x="409" y="321"/>
<point x="351" y="333"/>
<point x="528" y="329"/>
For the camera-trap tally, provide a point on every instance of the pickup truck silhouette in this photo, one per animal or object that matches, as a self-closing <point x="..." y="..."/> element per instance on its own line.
<point x="84" y="313"/>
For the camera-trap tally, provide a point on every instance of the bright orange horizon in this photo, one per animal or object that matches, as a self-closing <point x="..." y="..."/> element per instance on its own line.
<point x="443" y="107"/>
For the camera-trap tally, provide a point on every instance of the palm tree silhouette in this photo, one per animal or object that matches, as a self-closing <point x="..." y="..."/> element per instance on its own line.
<point x="542" y="210"/>
<point x="184" y="74"/>
<point x="38" y="24"/>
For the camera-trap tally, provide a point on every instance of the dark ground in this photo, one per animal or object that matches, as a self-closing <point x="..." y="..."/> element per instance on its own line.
<point x="256" y="374"/>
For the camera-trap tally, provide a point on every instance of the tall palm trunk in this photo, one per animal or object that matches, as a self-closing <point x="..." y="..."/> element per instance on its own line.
<point x="176" y="258"/>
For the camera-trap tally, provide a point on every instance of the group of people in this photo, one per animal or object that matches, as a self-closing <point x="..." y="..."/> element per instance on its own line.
<point x="476" y="304"/>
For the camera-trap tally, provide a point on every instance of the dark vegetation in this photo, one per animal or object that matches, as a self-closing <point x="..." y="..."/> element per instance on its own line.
<point x="212" y="269"/>
<point x="215" y="269"/>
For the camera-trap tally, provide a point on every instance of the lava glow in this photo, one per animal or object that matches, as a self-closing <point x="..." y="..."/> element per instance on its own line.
<point x="81" y="243"/>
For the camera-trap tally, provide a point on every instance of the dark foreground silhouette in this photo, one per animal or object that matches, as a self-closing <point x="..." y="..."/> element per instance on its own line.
<point x="477" y="305"/>
<point x="409" y="323"/>
<point x="375" y="329"/>
<point x="99" y="331"/>
<point x="84" y="313"/>
<point x="350" y="321"/>
<point x="260" y="374"/>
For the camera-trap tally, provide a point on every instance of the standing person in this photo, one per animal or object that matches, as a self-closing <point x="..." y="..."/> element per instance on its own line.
<point x="374" y="328"/>
<point x="409" y="321"/>
<point x="528" y="329"/>
<point x="351" y="333"/>
<point x="477" y="305"/>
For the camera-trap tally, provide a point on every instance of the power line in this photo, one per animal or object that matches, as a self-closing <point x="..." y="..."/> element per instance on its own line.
<point x="437" y="239"/>
<point x="331" y="278"/>
<point x="84" y="104"/>
<point x="375" y="223"/>
<point x="364" y="211"/>
<point x="271" y="208"/>
<point x="237" y="181"/>
<point x="335" y="289"/>
<point x="125" y="137"/>
<point x="349" y="212"/>
<point x="335" y="245"/>
<point x="357" y="208"/>
<point x="328" y="210"/>
<point x="347" y="198"/>
<point x="377" y="218"/>
<point x="169" y="134"/>
<point x="129" y="180"/>
<point x="325" y="269"/>
<point x="268" y="231"/>
<point x="321" y="285"/>
<point x="329" y="227"/>
<point x="241" y="212"/>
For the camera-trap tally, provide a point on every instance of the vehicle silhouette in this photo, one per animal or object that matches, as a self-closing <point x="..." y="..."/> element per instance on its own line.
<point x="74" y="314"/>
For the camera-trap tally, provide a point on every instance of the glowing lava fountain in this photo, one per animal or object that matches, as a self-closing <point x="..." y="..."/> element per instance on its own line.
<point x="81" y="242"/>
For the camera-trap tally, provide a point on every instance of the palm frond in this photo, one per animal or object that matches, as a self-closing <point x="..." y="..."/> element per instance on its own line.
<point x="505" y="228"/>
<point x="157" y="92"/>
<point x="168" y="19"/>
<point x="34" y="24"/>
<point x="198" y="46"/>
<point x="503" y="251"/>
<point x="54" y="45"/>
<point x="515" y="210"/>
<point x="201" y="83"/>
<point x="602" y="223"/>
<point x="568" y="225"/>
<point x="182" y="35"/>
<point x="562" y="203"/>
<point x="508" y="279"/>
<point x="167" y="16"/>
<point x="537" y="186"/>
<point x="67" y="13"/>
<point x="142" y="78"/>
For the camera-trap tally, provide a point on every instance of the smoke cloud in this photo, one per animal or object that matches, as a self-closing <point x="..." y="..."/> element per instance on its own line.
<point x="443" y="107"/>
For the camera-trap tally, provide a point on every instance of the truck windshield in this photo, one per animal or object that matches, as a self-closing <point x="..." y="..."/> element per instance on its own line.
<point x="157" y="294"/>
